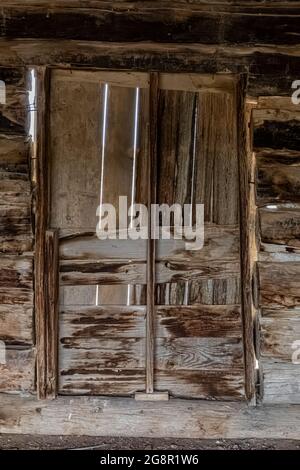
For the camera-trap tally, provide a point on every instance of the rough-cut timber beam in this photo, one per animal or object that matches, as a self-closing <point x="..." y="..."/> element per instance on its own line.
<point x="41" y="274"/>
<point x="125" y="416"/>
<point x="161" y="21"/>
<point x="271" y="68"/>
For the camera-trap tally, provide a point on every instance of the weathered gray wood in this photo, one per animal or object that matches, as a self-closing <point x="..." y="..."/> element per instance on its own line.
<point x="226" y="291"/>
<point x="211" y="384"/>
<point x="16" y="272"/>
<point x="151" y="246"/>
<point x="129" y="321"/>
<point x="16" y="324"/>
<point x="281" y="225"/>
<point x="216" y="162"/>
<point x="102" y="416"/>
<point x="16" y="374"/>
<point x="75" y="175"/>
<point x="280" y="329"/>
<point x="279" y="284"/>
<point x="280" y="382"/>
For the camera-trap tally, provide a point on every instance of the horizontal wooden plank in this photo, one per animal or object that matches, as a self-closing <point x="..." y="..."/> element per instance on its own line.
<point x="199" y="321"/>
<point x="278" y="253"/>
<point x="123" y="79"/>
<point x="281" y="383"/>
<point x="194" y="354"/>
<point x="279" y="331"/>
<point x="17" y="373"/>
<point x="75" y="272"/>
<point x="103" y="416"/>
<point x="161" y="22"/>
<point x="279" y="284"/>
<point x="105" y="382"/>
<point x="220" y="242"/>
<point x="16" y="324"/>
<point x="211" y="384"/>
<point x="280" y="225"/>
<point x="276" y="102"/>
<point x="172" y="321"/>
<point x="262" y="116"/>
<point x="173" y="271"/>
<point x="15" y="272"/>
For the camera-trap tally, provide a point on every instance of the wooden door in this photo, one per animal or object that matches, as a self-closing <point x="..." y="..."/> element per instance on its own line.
<point x="99" y="149"/>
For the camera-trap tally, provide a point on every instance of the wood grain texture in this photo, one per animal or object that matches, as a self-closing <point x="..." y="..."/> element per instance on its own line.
<point x="246" y="221"/>
<point x="279" y="284"/>
<point x="278" y="176"/>
<point x="216" y="163"/>
<point x="51" y="253"/>
<point x="42" y="219"/>
<point x="164" y="22"/>
<point x="101" y="416"/>
<point x="281" y="226"/>
<point x="16" y="324"/>
<point x="151" y="248"/>
<point x="16" y="375"/>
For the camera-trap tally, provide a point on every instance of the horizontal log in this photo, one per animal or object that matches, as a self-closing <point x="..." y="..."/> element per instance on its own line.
<point x="278" y="135"/>
<point x="278" y="253"/>
<point x="281" y="383"/>
<point x="14" y="154"/>
<point x="279" y="330"/>
<point x="279" y="284"/>
<point x="15" y="272"/>
<point x="103" y="416"/>
<point x="17" y="373"/>
<point x="16" y="324"/>
<point x="276" y="102"/>
<point x="139" y="21"/>
<point x="279" y="183"/>
<point x="266" y="65"/>
<point x="278" y="176"/>
<point x="281" y="226"/>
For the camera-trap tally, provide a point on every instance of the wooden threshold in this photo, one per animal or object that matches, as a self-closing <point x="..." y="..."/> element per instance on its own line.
<point x="103" y="416"/>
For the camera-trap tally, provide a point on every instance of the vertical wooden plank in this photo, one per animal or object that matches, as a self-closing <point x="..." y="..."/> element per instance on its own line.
<point x="152" y="176"/>
<point x="51" y="249"/>
<point x="216" y="173"/>
<point x="245" y="170"/>
<point x="41" y="217"/>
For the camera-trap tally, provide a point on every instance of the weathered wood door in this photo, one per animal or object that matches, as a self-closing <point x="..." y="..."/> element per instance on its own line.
<point x="98" y="150"/>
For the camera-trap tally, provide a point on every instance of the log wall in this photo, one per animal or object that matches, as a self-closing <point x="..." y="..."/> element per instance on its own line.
<point x="16" y="238"/>
<point x="276" y="124"/>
